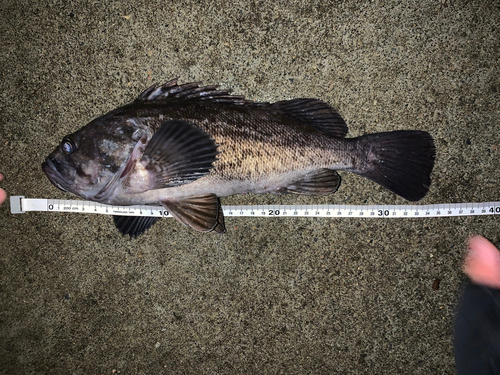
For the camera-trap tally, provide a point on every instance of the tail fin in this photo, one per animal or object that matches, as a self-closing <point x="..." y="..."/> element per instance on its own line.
<point x="400" y="161"/>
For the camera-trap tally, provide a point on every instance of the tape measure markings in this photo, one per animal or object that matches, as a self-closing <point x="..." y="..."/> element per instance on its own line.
<point x="20" y="204"/>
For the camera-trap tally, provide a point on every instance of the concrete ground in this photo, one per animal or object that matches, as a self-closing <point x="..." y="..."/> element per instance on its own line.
<point x="288" y="296"/>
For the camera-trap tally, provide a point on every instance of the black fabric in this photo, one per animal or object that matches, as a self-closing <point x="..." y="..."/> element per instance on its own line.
<point x="477" y="331"/>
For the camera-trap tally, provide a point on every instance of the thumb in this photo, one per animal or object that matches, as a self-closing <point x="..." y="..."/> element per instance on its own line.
<point x="482" y="263"/>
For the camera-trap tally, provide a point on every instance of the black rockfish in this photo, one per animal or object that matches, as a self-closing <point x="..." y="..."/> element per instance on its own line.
<point x="184" y="146"/>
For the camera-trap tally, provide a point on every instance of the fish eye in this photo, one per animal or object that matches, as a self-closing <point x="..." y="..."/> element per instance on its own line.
<point x="68" y="145"/>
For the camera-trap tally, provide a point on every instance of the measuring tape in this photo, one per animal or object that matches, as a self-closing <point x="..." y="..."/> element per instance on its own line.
<point x="20" y="204"/>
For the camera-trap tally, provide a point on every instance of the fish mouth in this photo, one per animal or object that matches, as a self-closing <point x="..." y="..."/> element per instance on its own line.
<point x="53" y="174"/>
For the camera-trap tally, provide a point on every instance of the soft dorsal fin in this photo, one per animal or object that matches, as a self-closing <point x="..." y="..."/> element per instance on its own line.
<point x="190" y="91"/>
<point x="314" y="112"/>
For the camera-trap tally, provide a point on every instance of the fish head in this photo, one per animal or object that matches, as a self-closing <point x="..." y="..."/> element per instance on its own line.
<point x="85" y="162"/>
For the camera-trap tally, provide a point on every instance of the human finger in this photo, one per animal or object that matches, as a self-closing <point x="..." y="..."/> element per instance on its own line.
<point x="482" y="263"/>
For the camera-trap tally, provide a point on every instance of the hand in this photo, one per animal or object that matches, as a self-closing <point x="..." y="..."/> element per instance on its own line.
<point x="482" y="263"/>
<point x="3" y="194"/>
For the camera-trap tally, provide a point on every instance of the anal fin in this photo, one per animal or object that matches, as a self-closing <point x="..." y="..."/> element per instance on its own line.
<point x="202" y="213"/>
<point x="319" y="182"/>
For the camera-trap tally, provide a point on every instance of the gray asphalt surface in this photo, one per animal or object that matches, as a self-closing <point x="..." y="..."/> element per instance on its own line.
<point x="288" y="296"/>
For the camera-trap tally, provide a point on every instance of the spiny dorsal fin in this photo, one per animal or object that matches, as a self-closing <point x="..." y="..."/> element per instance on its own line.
<point x="190" y="91"/>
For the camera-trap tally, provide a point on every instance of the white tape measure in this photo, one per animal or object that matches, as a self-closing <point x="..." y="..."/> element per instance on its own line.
<point x="20" y="204"/>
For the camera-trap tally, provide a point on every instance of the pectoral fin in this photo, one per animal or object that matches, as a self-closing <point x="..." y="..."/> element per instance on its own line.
<point x="178" y="153"/>
<point x="202" y="213"/>
<point x="319" y="182"/>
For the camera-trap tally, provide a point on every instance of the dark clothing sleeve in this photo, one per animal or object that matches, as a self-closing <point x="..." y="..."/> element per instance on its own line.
<point x="477" y="331"/>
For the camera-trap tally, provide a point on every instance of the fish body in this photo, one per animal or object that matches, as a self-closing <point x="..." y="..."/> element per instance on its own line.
<point x="184" y="146"/>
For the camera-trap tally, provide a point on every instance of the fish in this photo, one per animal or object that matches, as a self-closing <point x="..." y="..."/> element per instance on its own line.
<point x="184" y="146"/>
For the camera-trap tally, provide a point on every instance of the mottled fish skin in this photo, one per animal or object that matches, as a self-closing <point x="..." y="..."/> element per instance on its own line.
<point x="185" y="145"/>
<point x="259" y="151"/>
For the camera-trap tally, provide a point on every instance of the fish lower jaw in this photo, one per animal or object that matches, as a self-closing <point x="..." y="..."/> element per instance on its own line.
<point x="52" y="174"/>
